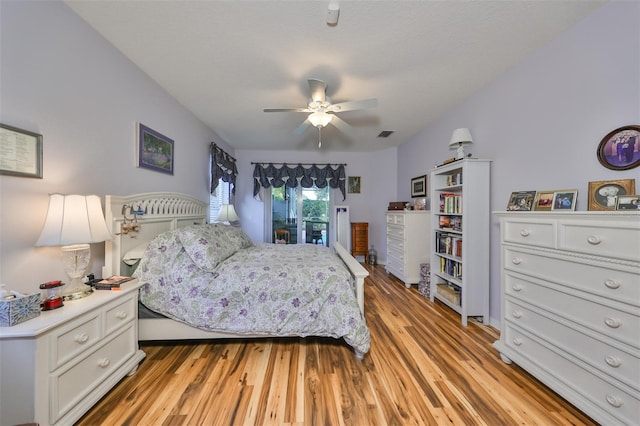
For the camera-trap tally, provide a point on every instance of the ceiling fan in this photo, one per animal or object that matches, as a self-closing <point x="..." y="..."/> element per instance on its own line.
<point x="322" y="112"/>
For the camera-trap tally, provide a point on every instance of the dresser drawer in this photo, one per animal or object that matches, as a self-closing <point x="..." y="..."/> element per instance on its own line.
<point x="612" y="322"/>
<point x="532" y="233"/>
<point x="73" y="338"/>
<point x="70" y="385"/>
<point x="620" y="403"/>
<point x="621" y="241"/>
<point x="395" y="219"/>
<point x="614" y="281"/>
<point x="623" y="365"/>
<point x="121" y="314"/>
<point x="395" y="232"/>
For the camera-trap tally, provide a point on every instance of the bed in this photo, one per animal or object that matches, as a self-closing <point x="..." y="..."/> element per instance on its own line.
<point x="209" y="281"/>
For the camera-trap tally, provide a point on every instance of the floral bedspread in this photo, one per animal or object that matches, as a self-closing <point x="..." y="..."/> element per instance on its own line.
<point x="212" y="277"/>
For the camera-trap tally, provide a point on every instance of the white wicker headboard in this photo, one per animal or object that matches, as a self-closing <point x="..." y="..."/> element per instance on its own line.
<point x="161" y="211"/>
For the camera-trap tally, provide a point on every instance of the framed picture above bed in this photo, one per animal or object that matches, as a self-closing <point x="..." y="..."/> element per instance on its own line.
<point x="155" y="151"/>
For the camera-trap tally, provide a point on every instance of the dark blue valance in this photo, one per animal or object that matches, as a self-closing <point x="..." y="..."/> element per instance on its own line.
<point x="223" y="166"/>
<point x="268" y="175"/>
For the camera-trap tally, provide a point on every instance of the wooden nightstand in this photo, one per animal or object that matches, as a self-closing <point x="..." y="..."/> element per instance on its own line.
<point x="359" y="239"/>
<point x="57" y="366"/>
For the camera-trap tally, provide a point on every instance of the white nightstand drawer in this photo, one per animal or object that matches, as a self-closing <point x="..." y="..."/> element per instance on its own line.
<point x="121" y="314"/>
<point x="612" y="361"/>
<point x="621" y="241"/>
<point x="70" y="385"/>
<point x="532" y="233"/>
<point x="620" y="403"/>
<point x="77" y="336"/>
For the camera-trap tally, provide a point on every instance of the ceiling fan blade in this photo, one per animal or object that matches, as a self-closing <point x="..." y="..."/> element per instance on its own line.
<point x="318" y="90"/>
<point x="301" y="128"/>
<point x="351" y="105"/>
<point x="287" y="110"/>
<point x="340" y="123"/>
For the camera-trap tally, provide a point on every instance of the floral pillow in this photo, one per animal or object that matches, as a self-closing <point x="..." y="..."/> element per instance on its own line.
<point x="209" y="245"/>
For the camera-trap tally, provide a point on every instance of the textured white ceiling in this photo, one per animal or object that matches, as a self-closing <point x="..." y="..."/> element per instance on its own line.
<point x="228" y="60"/>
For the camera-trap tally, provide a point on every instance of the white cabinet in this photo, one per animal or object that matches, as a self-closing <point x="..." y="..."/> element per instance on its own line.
<point x="571" y="306"/>
<point x="56" y="366"/>
<point x="407" y="244"/>
<point x="460" y="244"/>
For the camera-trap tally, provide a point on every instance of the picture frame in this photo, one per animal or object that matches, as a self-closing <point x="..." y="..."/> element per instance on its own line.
<point x="21" y="152"/>
<point x="543" y="201"/>
<point x="620" y="148"/>
<point x="419" y="186"/>
<point x="564" y="200"/>
<point x="521" y="201"/>
<point x="603" y="194"/>
<point x="354" y="184"/>
<point x="155" y="151"/>
<point x="628" y="202"/>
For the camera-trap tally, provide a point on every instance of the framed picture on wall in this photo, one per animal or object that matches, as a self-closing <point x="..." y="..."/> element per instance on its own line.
<point x="155" y="151"/>
<point x="21" y="152"/>
<point x="603" y="194"/>
<point x="354" y="184"/>
<point x="620" y="148"/>
<point x="419" y="186"/>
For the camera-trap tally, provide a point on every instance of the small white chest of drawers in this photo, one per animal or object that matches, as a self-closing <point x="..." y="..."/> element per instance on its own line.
<point x="408" y="243"/>
<point x="571" y="306"/>
<point x="56" y="366"/>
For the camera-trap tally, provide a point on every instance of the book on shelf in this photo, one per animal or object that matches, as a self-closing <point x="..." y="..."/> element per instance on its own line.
<point x="453" y="223"/>
<point x="450" y="244"/>
<point x="450" y="203"/>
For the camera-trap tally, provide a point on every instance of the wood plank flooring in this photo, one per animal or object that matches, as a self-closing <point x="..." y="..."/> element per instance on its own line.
<point x="424" y="368"/>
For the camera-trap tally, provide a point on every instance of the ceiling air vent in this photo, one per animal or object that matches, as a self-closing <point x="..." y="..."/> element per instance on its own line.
<point x="385" y="133"/>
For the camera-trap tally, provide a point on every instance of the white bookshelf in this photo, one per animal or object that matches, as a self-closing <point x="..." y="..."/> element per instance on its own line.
<point x="460" y="208"/>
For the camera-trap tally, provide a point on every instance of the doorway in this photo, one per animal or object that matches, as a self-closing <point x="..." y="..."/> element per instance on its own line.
<point x="304" y="212"/>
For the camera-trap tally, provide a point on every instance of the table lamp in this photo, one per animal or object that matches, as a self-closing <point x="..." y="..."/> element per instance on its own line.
<point x="227" y="213"/>
<point x="459" y="139"/>
<point x="73" y="222"/>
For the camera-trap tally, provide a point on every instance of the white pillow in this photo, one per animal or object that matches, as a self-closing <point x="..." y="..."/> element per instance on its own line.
<point x="135" y="254"/>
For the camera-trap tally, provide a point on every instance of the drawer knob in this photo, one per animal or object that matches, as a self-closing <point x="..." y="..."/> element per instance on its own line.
<point x="104" y="362"/>
<point x="524" y="232"/>
<point x="517" y="341"/>
<point x="612" y="322"/>
<point x="517" y="287"/>
<point x="81" y="338"/>
<point x="612" y="284"/>
<point x="517" y="314"/>
<point x="121" y="315"/>
<point x="613" y="361"/>
<point x="594" y="240"/>
<point x="516" y="260"/>
<point x="615" y="401"/>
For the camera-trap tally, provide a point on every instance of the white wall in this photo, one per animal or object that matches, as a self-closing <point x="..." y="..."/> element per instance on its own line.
<point x="378" y="172"/>
<point x="63" y="80"/>
<point x="542" y="121"/>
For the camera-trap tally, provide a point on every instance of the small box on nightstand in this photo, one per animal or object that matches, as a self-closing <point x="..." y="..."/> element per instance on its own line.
<point x="20" y="309"/>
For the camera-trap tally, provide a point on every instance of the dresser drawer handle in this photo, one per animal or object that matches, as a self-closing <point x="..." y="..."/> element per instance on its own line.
<point x="517" y="314"/>
<point x="517" y="287"/>
<point x="517" y="341"/>
<point x="104" y="362"/>
<point x="616" y="402"/>
<point x="594" y="240"/>
<point x="121" y="315"/>
<point x="612" y="322"/>
<point x="516" y="260"/>
<point x="613" y="361"/>
<point x="81" y="338"/>
<point x="612" y="284"/>
<point x="524" y="232"/>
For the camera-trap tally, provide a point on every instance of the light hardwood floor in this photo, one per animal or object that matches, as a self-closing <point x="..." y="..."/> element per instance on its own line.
<point x="424" y="368"/>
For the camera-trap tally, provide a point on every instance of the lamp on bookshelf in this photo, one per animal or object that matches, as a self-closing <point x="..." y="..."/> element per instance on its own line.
<point x="459" y="139"/>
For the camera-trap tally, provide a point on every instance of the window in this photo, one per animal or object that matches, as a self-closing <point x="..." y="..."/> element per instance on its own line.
<point x="220" y="196"/>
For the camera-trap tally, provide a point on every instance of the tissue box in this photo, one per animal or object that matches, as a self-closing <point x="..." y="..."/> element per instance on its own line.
<point x="20" y="309"/>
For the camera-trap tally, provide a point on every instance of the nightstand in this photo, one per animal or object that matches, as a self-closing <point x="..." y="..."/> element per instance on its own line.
<point x="55" y="367"/>
<point x="359" y="239"/>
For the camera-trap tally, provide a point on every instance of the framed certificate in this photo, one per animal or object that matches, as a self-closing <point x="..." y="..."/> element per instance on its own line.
<point x="20" y="152"/>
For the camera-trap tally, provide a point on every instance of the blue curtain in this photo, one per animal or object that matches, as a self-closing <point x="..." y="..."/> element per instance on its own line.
<point x="268" y="175"/>
<point x="223" y="166"/>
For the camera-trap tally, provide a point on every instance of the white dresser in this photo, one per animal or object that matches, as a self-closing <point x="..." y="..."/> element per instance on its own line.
<point x="56" y="366"/>
<point x="571" y="307"/>
<point x="408" y="243"/>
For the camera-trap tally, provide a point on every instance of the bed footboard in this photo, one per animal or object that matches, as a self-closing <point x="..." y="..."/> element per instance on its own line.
<point x="358" y="272"/>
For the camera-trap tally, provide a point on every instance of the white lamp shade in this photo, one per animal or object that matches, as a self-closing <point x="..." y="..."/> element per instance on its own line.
<point x="73" y="219"/>
<point x="227" y="213"/>
<point x="320" y="119"/>
<point x="460" y="137"/>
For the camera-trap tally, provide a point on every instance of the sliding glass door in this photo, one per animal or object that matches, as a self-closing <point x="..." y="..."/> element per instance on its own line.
<point x="303" y="212"/>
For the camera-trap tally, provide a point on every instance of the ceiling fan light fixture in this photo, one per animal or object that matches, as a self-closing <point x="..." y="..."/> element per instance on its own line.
<point x="320" y="119"/>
